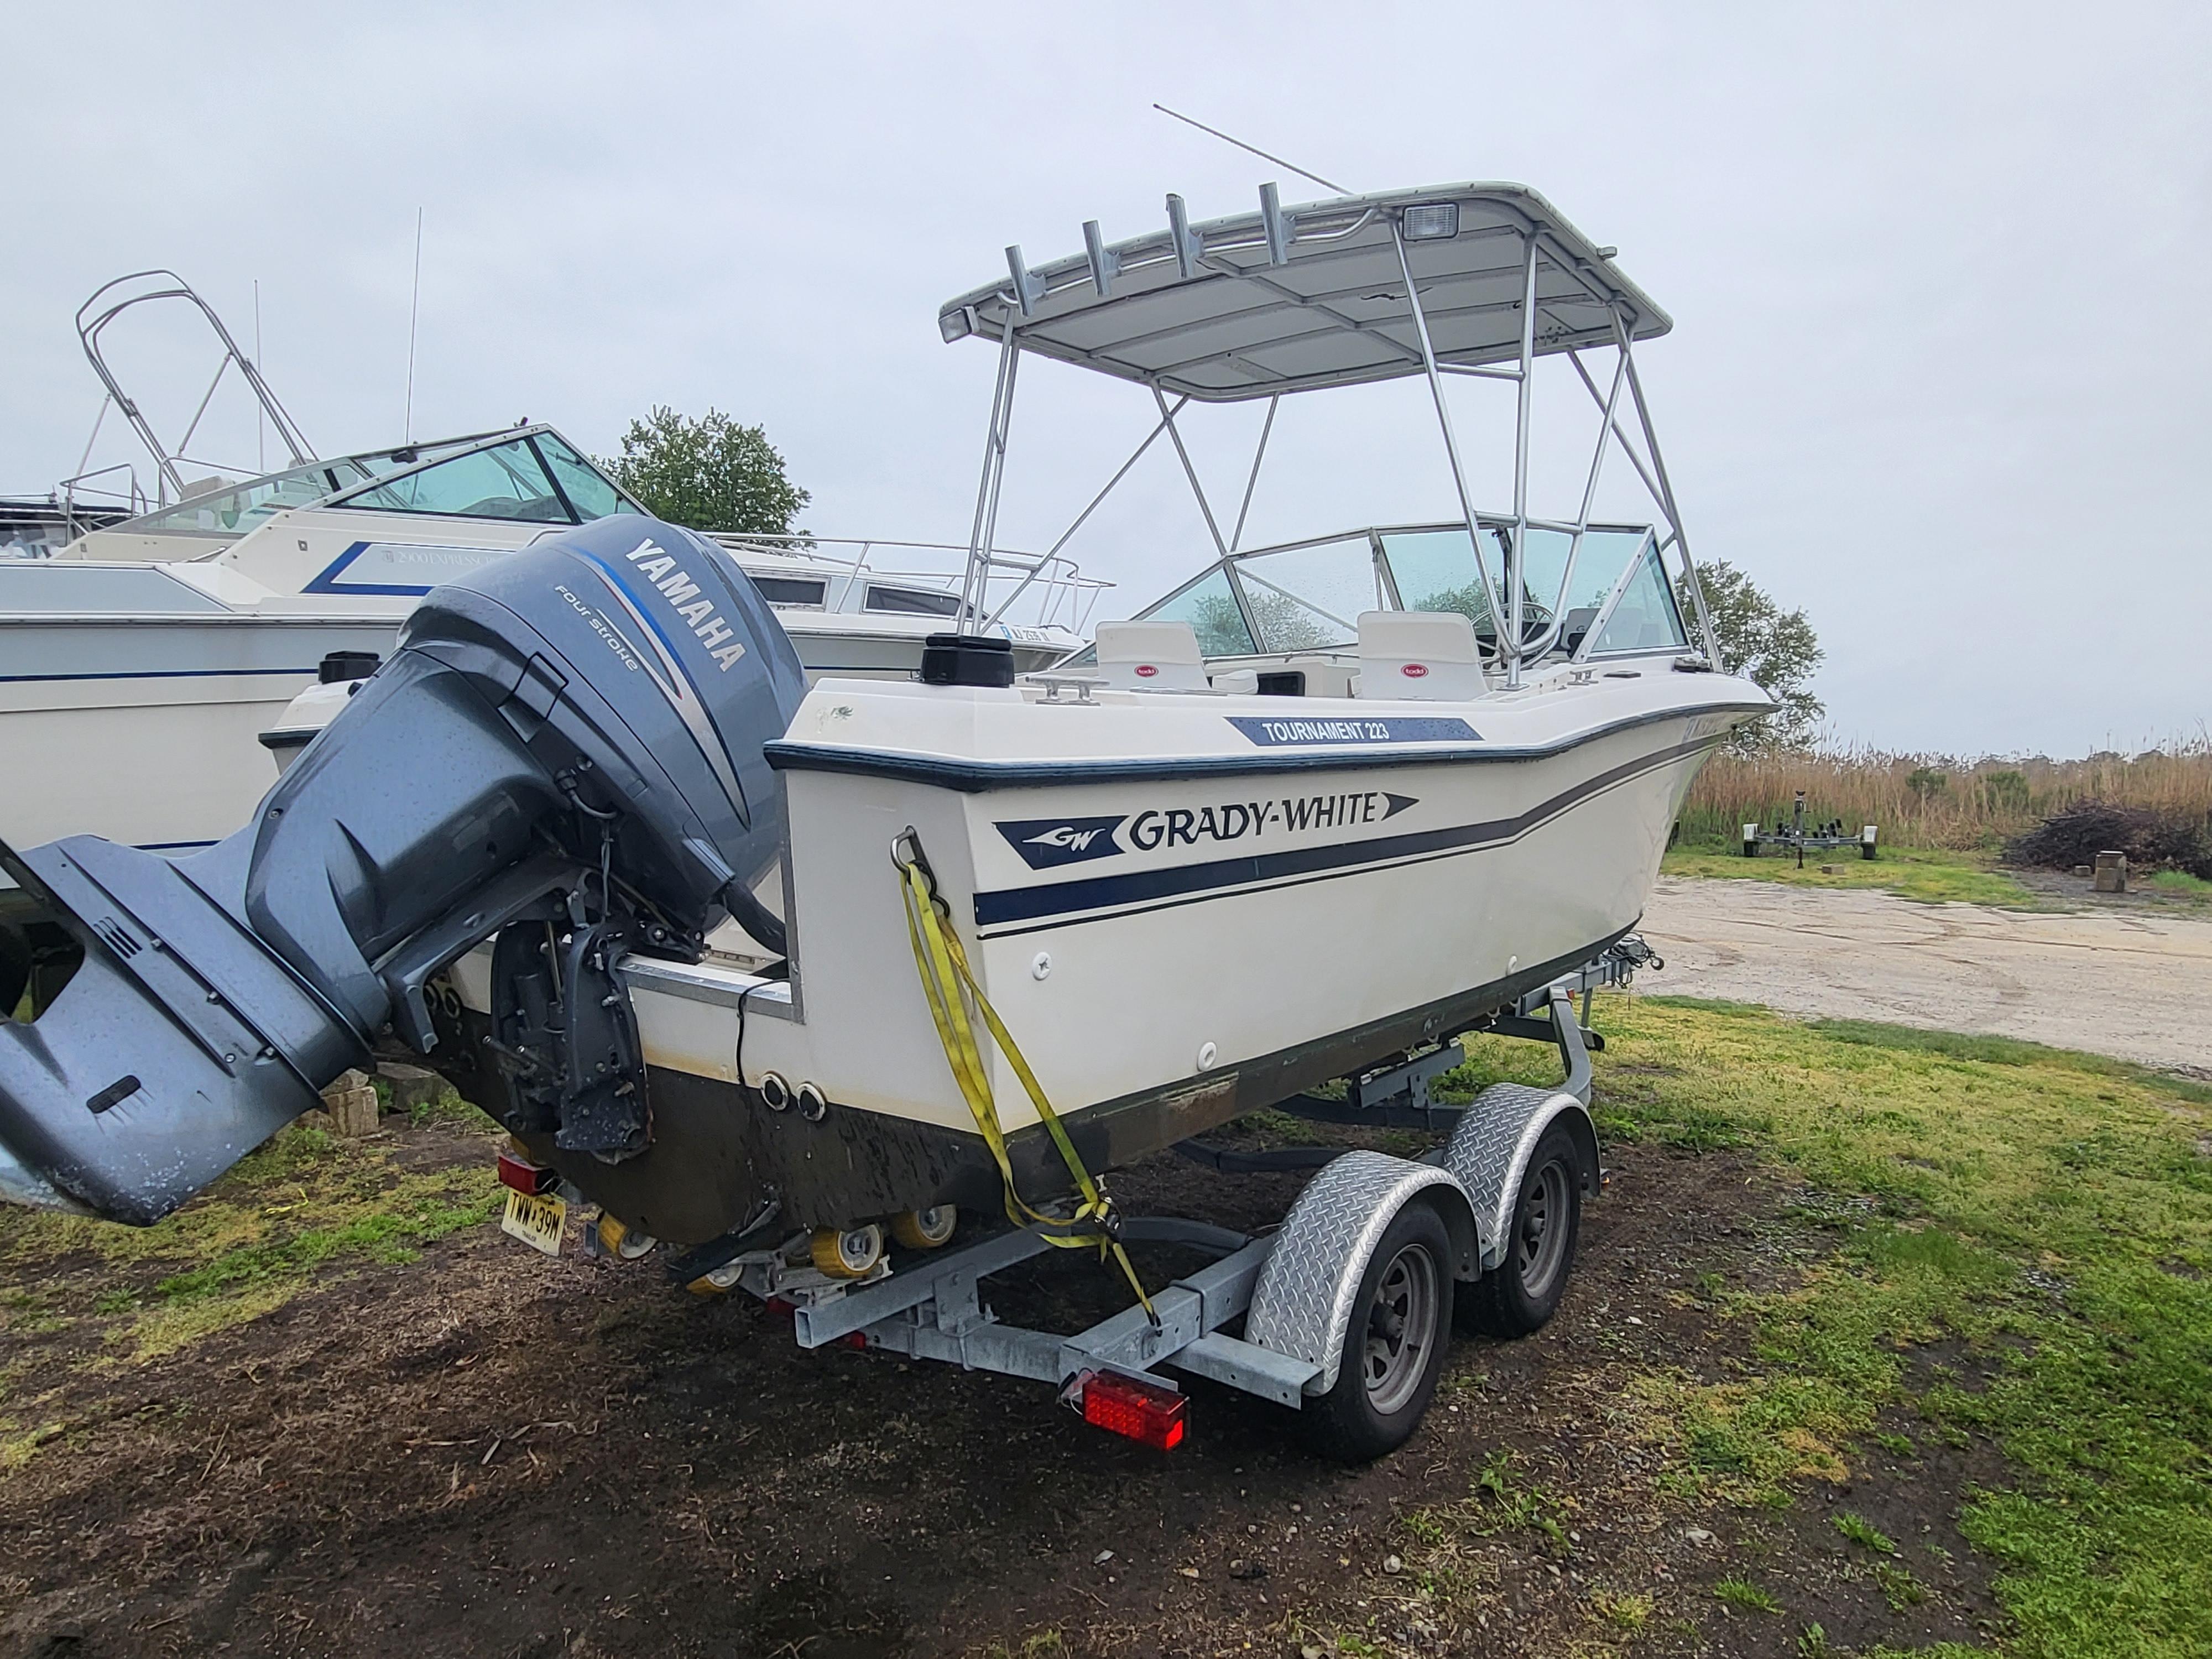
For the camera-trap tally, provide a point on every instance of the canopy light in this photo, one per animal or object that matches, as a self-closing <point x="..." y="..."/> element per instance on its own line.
<point x="1431" y="222"/>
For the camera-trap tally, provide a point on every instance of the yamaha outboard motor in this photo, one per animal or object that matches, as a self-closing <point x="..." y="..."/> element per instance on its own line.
<point x="565" y="751"/>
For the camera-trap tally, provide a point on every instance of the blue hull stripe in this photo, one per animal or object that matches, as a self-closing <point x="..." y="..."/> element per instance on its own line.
<point x="1185" y="883"/>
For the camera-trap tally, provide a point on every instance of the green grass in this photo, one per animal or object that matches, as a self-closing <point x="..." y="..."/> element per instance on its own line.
<point x="2179" y="881"/>
<point x="1863" y="1533"/>
<point x="2044" y="1216"/>
<point x="301" y="1206"/>
<point x="1934" y="875"/>
<point x="1742" y="1593"/>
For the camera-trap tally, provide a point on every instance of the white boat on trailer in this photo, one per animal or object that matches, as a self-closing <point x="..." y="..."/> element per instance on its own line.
<point x="1151" y="889"/>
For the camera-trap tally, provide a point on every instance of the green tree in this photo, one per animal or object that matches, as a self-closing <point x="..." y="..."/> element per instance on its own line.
<point x="1774" y="648"/>
<point x="707" y="474"/>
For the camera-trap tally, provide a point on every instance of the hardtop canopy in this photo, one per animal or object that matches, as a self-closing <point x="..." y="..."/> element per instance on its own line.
<point x="1300" y="298"/>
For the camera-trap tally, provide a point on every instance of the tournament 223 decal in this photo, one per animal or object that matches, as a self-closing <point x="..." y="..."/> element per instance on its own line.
<point x="1047" y="843"/>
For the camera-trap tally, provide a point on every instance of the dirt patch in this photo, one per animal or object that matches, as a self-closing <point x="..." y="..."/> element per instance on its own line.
<point x="485" y="1452"/>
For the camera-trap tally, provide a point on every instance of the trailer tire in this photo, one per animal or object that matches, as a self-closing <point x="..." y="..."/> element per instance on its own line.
<point x="1521" y="1292"/>
<point x="1386" y="1376"/>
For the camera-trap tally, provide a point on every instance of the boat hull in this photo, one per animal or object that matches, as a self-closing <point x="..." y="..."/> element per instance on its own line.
<point x="1240" y="927"/>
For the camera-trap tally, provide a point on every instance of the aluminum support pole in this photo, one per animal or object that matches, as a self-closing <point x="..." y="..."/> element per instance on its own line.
<point x="1582" y="519"/>
<point x="1237" y="536"/>
<point x="1444" y="419"/>
<point x="1190" y="472"/>
<point x="975" y="580"/>
<point x="1666" y="500"/>
<point x="1650" y="485"/>
<point x="1517" y="556"/>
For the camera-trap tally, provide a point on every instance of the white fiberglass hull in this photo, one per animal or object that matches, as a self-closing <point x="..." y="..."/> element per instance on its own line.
<point x="1184" y="907"/>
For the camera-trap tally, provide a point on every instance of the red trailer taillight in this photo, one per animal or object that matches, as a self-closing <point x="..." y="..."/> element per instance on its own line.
<point x="520" y="1173"/>
<point x="1147" y="1412"/>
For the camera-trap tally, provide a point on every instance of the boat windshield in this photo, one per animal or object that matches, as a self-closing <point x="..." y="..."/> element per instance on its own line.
<point x="1309" y="598"/>
<point x="505" y="481"/>
<point x="234" y="511"/>
<point x="1435" y="570"/>
<point x="1211" y="609"/>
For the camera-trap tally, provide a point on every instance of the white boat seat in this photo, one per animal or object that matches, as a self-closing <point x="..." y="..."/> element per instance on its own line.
<point x="1151" y="656"/>
<point x="1426" y="654"/>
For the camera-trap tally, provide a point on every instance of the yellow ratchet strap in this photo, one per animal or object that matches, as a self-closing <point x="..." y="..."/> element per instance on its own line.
<point x="944" y="972"/>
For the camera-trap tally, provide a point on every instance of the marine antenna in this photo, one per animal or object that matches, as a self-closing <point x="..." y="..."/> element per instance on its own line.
<point x="1253" y="149"/>
<point x="414" y="313"/>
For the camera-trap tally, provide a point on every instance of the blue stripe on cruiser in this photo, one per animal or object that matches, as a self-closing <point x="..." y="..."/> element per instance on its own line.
<point x="154" y="674"/>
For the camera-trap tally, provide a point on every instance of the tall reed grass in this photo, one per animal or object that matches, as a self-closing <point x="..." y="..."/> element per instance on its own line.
<point x="1934" y="800"/>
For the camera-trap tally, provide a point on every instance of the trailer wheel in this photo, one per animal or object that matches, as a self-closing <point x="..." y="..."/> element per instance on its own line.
<point x="847" y="1252"/>
<point x="624" y="1244"/>
<point x="926" y="1229"/>
<point x="1520" y="1294"/>
<point x="1393" y="1346"/>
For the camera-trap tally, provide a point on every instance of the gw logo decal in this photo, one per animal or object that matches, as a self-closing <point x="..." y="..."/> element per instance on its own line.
<point x="1044" y="842"/>
<point x="1067" y="836"/>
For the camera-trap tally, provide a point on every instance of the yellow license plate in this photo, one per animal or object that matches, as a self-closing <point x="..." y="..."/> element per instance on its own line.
<point x="537" y="1221"/>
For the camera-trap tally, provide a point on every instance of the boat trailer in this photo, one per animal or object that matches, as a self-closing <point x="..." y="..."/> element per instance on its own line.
<point x="1297" y="1287"/>
<point x="1794" y="835"/>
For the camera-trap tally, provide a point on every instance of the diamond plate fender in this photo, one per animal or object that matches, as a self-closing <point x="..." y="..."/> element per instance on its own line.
<point x="1489" y="1146"/>
<point x="1302" y="1302"/>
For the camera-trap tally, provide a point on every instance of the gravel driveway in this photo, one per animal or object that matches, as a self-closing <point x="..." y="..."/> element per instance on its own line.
<point x="2128" y="982"/>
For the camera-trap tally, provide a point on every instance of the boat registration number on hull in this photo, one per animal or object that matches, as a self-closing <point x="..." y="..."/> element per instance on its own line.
<point x="537" y="1220"/>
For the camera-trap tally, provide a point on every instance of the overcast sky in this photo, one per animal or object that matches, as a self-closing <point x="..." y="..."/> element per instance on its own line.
<point x="1939" y="274"/>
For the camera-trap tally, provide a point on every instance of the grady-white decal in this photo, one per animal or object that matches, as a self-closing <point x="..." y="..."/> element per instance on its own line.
<point x="1272" y="734"/>
<point x="1044" y="843"/>
<point x="1183" y="826"/>
<point x="658" y="567"/>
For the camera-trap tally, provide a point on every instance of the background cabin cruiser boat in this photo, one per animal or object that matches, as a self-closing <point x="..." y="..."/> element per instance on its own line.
<point x="142" y="660"/>
<point x="142" y="653"/>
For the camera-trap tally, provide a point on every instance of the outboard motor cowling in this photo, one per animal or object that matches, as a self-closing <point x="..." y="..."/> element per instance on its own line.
<point x="566" y="746"/>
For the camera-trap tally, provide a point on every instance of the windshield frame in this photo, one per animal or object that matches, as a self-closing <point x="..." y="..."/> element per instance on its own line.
<point x="1377" y="537"/>
<point x="399" y="461"/>
<point x="526" y="435"/>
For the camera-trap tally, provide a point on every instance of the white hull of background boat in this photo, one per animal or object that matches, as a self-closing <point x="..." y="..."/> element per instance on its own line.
<point x="145" y="729"/>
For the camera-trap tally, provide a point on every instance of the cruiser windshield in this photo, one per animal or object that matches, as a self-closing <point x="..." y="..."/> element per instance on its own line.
<point x="234" y="511"/>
